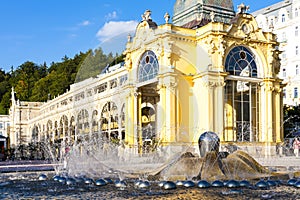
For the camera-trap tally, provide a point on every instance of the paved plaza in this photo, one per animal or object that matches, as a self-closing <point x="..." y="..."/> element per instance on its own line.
<point x="284" y="163"/>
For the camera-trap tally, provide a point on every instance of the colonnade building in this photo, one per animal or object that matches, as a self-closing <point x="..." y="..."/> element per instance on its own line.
<point x="210" y="70"/>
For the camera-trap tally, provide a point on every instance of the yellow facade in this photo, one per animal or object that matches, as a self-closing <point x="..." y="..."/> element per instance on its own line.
<point x="189" y="94"/>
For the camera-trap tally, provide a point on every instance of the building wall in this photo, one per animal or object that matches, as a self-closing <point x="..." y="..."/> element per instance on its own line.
<point x="4" y="125"/>
<point x="283" y="19"/>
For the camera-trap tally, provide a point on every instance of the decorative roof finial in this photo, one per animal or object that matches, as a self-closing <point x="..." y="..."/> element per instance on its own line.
<point x="212" y="16"/>
<point x="128" y="38"/>
<point x="242" y="8"/>
<point x="167" y="17"/>
<point x="147" y="15"/>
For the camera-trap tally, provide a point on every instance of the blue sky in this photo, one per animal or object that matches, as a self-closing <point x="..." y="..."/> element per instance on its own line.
<point x="46" y="31"/>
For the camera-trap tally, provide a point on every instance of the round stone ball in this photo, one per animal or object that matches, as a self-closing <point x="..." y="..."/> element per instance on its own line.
<point x="203" y="184"/>
<point x="161" y="183"/>
<point x="262" y="184"/>
<point x="245" y="183"/>
<point x="217" y="183"/>
<point x="100" y="182"/>
<point x="42" y="177"/>
<point x="292" y="182"/>
<point x="144" y="184"/>
<point x="70" y="181"/>
<point x="232" y="184"/>
<point x="169" y="185"/>
<point x="188" y="184"/>
<point x="297" y="184"/>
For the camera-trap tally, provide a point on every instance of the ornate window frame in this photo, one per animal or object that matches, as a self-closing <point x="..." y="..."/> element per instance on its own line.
<point x="148" y="67"/>
<point x="240" y="61"/>
<point x="242" y="95"/>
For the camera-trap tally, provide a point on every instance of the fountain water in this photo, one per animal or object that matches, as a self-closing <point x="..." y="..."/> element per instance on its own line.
<point x="90" y="169"/>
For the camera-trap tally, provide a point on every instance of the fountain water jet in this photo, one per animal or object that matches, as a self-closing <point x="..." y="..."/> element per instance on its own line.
<point x="89" y="160"/>
<point x="212" y="165"/>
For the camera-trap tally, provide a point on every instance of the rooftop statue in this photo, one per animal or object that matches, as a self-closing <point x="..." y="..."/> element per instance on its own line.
<point x="242" y="8"/>
<point x="147" y="15"/>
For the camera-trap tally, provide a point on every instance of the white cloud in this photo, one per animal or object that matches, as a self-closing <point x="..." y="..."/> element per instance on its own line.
<point x="112" y="15"/>
<point x="73" y="35"/>
<point x="114" y="28"/>
<point x="85" y="23"/>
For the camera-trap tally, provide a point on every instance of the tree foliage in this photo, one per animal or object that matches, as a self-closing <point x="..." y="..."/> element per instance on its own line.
<point x="4" y="92"/>
<point x="291" y="120"/>
<point x="33" y="82"/>
<point x="94" y="63"/>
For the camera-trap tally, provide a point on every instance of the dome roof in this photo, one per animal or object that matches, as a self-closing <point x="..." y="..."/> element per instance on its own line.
<point x="181" y="4"/>
<point x="189" y="11"/>
<point x="221" y="3"/>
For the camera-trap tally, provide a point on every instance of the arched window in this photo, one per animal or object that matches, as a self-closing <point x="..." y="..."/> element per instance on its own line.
<point x="63" y="127"/>
<point x="296" y="31"/>
<point x="148" y="67"/>
<point x="83" y="121"/>
<point x="72" y="131"/>
<point x="95" y="121"/>
<point x="296" y="12"/>
<point x="295" y="92"/>
<point x="283" y="37"/>
<point x="49" y="131"/>
<point x="241" y="62"/>
<point x="123" y="116"/>
<point x="56" y="130"/>
<point x="109" y="120"/>
<point x="35" y="133"/>
<point x="283" y="18"/>
<point x="241" y="100"/>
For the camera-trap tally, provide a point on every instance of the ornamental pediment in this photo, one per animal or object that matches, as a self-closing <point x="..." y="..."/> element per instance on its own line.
<point x="143" y="35"/>
<point x="145" y="31"/>
<point x="245" y="26"/>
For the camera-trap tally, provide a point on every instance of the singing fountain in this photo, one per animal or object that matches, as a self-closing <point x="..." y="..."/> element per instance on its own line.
<point x="101" y="169"/>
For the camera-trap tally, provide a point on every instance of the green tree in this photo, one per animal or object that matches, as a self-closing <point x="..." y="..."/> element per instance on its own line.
<point x="291" y="120"/>
<point x="93" y="64"/>
<point x="25" y="77"/>
<point x="5" y="103"/>
<point x="40" y="90"/>
<point x="4" y="92"/>
<point x="33" y="82"/>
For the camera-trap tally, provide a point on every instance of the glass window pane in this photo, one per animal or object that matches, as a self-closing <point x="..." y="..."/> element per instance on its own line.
<point x="148" y="66"/>
<point x="240" y="57"/>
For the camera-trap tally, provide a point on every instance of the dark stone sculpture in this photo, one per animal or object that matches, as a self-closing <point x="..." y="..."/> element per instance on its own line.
<point x="208" y="141"/>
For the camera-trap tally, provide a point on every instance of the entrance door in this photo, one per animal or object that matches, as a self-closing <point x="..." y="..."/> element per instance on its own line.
<point x="241" y="113"/>
<point x="149" y="101"/>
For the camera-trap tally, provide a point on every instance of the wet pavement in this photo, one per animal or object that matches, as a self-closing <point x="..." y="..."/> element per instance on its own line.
<point x="20" y="180"/>
<point x="26" y="165"/>
<point x="26" y="185"/>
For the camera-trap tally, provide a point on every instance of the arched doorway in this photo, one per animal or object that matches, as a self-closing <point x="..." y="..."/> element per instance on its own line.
<point x="83" y="124"/>
<point x="122" y="118"/>
<point x="35" y="134"/>
<point x="72" y="130"/>
<point x="109" y="122"/>
<point x="242" y="92"/>
<point x="63" y="127"/>
<point x="49" y="134"/>
<point x="148" y="100"/>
